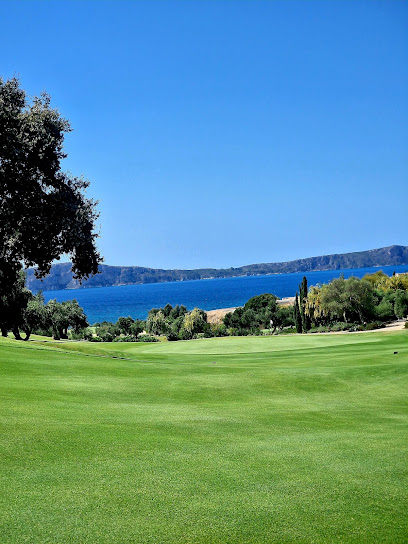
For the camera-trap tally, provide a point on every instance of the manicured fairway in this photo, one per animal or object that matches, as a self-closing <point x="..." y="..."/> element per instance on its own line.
<point x="273" y="439"/>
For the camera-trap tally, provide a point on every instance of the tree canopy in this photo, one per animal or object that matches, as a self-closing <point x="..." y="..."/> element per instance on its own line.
<point x="43" y="210"/>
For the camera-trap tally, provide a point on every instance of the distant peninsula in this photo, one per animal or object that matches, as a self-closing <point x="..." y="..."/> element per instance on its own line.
<point x="60" y="276"/>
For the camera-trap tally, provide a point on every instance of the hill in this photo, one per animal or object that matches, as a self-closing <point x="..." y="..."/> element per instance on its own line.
<point x="61" y="275"/>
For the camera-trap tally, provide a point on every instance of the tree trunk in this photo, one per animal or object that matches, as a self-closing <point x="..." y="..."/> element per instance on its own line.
<point x="4" y="331"/>
<point x="16" y="333"/>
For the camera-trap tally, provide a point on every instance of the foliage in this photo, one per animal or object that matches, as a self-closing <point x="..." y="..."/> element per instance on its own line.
<point x="63" y="315"/>
<point x="303" y="292"/>
<point x="147" y="338"/>
<point x="298" y="316"/>
<point x="13" y="302"/>
<point x="157" y="323"/>
<point x="340" y="305"/>
<point x="380" y="280"/>
<point x="384" y="310"/>
<point x="374" y="297"/>
<point x="84" y="334"/>
<point x="125" y="339"/>
<point x="124" y="324"/>
<point x="107" y="331"/>
<point x="193" y="323"/>
<point x="137" y="327"/>
<point x="35" y="316"/>
<point x="43" y="210"/>
<point x="95" y="339"/>
<point x="347" y="300"/>
<point x="401" y="303"/>
<point x="260" y="312"/>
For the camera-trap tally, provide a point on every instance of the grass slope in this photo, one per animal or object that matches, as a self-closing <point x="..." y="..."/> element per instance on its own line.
<point x="274" y="439"/>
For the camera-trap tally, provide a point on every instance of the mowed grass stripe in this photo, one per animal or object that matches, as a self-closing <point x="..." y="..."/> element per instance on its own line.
<point x="289" y="445"/>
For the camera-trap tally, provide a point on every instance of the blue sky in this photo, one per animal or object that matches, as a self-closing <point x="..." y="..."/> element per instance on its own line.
<point x="222" y="133"/>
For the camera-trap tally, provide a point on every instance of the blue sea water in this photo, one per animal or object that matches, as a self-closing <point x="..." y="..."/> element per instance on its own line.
<point x="109" y="303"/>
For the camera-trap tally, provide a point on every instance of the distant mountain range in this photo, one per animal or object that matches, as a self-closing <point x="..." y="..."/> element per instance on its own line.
<point x="60" y="276"/>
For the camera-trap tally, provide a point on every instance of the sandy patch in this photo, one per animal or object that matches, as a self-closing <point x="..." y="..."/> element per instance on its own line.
<point x="286" y="301"/>
<point x="216" y="316"/>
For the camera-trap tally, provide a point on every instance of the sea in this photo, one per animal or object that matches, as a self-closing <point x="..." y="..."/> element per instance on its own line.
<point x="110" y="303"/>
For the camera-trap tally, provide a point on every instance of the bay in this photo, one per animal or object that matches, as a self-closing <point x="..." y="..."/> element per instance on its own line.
<point x="110" y="303"/>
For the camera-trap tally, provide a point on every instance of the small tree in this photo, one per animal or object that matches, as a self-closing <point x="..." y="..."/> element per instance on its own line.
<point x="63" y="315"/>
<point x="298" y="317"/>
<point x="35" y="316"/>
<point x="194" y="323"/>
<point x="124" y="324"/>
<point x="303" y="292"/>
<point x="137" y="327"/>
<point x="401" y="304"/>
<point x="157" y="323"/>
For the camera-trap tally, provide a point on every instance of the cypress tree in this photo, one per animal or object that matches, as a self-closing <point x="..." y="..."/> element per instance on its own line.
<point x="302" y="302"/>
<point x="298" y="316"/>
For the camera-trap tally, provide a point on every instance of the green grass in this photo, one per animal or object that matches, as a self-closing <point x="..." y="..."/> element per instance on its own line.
<point x="256" y="439"/>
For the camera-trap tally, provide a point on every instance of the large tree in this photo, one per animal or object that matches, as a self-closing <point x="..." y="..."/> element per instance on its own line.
<point x="348" y="300"/>
<point x="43" y="210"/>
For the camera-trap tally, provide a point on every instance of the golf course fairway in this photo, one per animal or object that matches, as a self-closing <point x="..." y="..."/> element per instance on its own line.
<point x="298" y="438"/>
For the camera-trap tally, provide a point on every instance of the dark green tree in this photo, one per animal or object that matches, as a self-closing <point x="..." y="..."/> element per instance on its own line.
<point x="303" y="290"/>
<point x="298" y="316"/>
<point x="43" y="210"/>
<point x="167" y="310"/>
<point x="13" y="302"/>
<point x="63" y="315"/>
<point x="107" y="331"/>
<point x="401" y="304"/>
<point x="35" y="315"/>
<point x="124" y="324"/>
<point x="137" y="327"/>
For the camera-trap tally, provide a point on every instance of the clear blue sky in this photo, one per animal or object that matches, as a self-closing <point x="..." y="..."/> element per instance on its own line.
<point x="222" y="133"/>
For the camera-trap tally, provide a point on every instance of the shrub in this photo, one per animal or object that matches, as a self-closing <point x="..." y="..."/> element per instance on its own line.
<point x="335" y="327"/>
<point x="87" y="334"/>
<point x="342" y="326"/>
<point x="372" y="326"/>
<point x="384" y="311"/>
<point x="320" y="328"/>
<point x="128" y="338"/>
<point x="107" y="331"/>
<point x="84" y="334"/>
<point x="288" y="330"/>
<point x="147" y="338"/>
<point x="406" y="324"/>
<point x="95" y="339"/>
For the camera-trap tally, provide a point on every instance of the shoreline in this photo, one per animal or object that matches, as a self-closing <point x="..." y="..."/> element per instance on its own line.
<point x="77" y="287"/>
